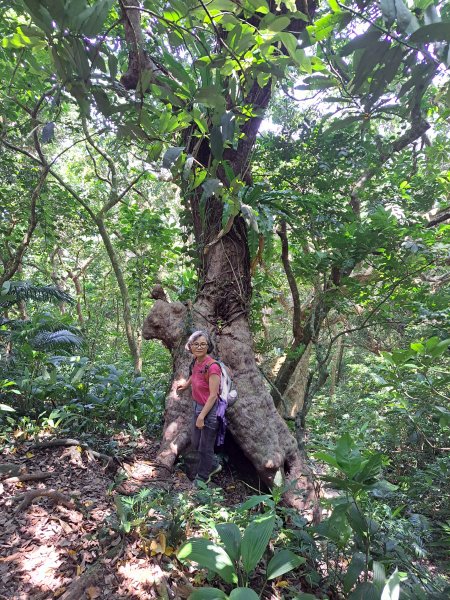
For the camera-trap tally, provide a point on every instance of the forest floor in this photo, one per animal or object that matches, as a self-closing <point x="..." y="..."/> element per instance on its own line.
<point x="64" y="544"/>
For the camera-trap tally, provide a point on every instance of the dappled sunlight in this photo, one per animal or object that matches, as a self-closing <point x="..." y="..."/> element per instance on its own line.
<point x="41" y="565"/>
<point x="171" y="430"/>
<point x="138" y="572"/>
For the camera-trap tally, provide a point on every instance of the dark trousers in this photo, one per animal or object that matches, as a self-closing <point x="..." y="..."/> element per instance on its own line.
<point x="203" y="441"/>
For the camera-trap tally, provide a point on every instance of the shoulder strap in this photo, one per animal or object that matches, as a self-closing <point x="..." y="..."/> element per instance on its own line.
<point x="213" y="362"/>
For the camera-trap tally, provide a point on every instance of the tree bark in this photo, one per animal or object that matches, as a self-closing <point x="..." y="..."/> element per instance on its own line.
<point x="295" y="393"/>
<point x="254" y="422"/>
<point x="126" y="305"/>
<point x="222" y="304"/>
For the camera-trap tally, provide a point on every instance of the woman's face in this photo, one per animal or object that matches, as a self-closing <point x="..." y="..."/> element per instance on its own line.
<point x="199" y="347"/>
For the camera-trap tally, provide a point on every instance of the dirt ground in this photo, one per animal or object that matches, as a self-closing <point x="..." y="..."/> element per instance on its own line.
<point x="60" y="545"/>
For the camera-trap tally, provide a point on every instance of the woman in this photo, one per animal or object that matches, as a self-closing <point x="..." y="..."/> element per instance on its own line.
<point x="205" y="382"/>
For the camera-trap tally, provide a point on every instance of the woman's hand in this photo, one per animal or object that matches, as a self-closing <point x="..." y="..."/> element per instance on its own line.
<point x="200" y="422"/>
<point x="183" y="386"/>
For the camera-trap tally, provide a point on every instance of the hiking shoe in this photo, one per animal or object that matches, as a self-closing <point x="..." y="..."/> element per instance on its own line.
<point x="214" y="472"/>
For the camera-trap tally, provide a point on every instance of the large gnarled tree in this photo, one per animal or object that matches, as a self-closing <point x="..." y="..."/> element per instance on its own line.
<point x="201" y="73"/>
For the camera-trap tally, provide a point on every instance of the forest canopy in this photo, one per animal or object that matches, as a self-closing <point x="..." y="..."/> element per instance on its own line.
<point x="275" y="173"/>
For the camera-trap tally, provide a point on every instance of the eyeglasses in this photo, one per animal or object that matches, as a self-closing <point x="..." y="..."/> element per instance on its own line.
<point x="201" y="345"/>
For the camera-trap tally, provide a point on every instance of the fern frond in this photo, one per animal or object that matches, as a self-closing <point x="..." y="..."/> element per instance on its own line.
<point x="45" y="340"/>
<point x="13" y="292"/>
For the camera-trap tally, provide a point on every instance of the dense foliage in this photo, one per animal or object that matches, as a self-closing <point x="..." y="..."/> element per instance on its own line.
<point x="113" y="152"/>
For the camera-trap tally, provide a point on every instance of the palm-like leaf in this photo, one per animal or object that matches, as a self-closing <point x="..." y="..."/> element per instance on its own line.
<point x="13" y="292"/>
<point x="62" y="338"/>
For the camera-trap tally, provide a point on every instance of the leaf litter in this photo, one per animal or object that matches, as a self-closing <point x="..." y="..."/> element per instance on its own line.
<point x="56" y="539"/>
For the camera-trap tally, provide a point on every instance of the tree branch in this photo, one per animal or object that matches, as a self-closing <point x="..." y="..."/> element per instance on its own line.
<point x="297" y="316"/>
<point x="14" y="264"/>
<point x="418" y="127"/>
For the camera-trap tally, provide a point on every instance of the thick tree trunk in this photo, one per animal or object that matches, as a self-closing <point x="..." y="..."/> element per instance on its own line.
<point x="223" y="301"/>
<point x="254" y="422"/>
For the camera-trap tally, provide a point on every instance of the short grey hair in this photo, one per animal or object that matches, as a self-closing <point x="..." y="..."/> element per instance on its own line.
<point x="194" y="336"/>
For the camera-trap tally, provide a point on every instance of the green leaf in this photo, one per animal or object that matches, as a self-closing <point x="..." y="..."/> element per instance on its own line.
<point x="365" y="591"/>
<point x="388" y="11"/>
<point x="405" y="19"/>
<point x="221" y="5"/>
<point x="93" y="24"/>
<point x="243" y="593"/>
<point x="334" y="5"/>
<point x="154" y="151"/>
<point x="7" y="408"/>
<point x="354" y="570"/>
<point x="371" y="469"/>
<point x="423" y="4"/>
<point x="357" y="520"/>
<point x="228" y="125"/>
<point x="260" y="6"/>
<point x="210" y="96"/>
<point x="40" y="15"/>
<point x="391" y="590"/>
<point x="282" y="562"/>
<point x="210" y="187"/>
<point x="171" y="155"/>
<point x="209" y="555"/>
<point x="289" y="41"/>
<point x="343" y="123"/>
<point x="275" y="23"/>
<point x="208" y="594"/>
<point x="379" y="574"/>
<point x="317" y="82"/>
<point x="361" y="41"/>
<point x="325" y="25"/>
<point x="199" y="178"/>
<point x="371" y="56"/>
<point x="231" y="538"/>
<point x="435" y="32"/>
<point x="216" y="141"/>
<point x="179" y="71"/>
<point x="255" y="500"/>
<point x="255" y="540"/>
<point x="328" y="458"/>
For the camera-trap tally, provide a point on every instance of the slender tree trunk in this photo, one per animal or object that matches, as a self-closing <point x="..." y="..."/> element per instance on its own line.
<point x="334" y="375"/>
<point x="15" y="260"/>
<point x="79" y="293"/>
<point x="295" y="393"/>
<point x="126" y="305"/>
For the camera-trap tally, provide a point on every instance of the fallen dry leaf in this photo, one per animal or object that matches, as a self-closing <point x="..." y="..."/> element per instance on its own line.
<point x="93" y="592"/>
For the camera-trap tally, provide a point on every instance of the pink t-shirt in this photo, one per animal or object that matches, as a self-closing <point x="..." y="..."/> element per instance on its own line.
<point x="200" y="377"/>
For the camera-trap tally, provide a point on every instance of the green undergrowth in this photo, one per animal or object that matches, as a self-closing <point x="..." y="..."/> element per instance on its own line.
<point x="368" y="546"/>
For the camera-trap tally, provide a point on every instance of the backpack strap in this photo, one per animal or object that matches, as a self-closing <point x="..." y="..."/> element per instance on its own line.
<point x="213" y="362"/>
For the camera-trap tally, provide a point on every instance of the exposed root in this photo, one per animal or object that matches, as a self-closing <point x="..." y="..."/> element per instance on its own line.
<point x="28" y="497"/>
<point x="111" y="462"/>
<point x="28" y="477"/>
